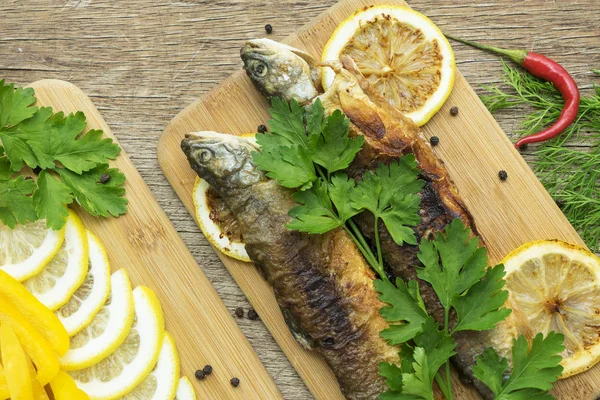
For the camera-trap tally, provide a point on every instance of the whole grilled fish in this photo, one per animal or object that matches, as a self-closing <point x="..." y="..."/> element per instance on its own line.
<point x="388" y="135"/>
<point x="322" y="283"/>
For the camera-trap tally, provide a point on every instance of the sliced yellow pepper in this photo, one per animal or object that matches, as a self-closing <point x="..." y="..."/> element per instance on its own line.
<point x="32" y="341"/>
<point x="15" y="363"/>
<point x="65" y="388"/>
<point x="39" y="393"/>
<point x="38" y="314"/>
<point x="4" y="394"/>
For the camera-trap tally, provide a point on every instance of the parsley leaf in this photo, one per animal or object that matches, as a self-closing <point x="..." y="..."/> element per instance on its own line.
<point x="16" y="206"/>
<point x="534" y="370"/>
<point x="439" y="346"/>
<point x="339" y="192"/>
<point x="99" y="199"/>
<point x="463" y="263"/>
<point x="16" y="105"/>
<point x="291" y="165"/>
<point x="288" y="122"/>
<point x="333" y="149"/>
<point x="391" y="193"/>
<point x="393" y="375"/>
<point x="315" y="214"/>
<point x="481" y="307"/>
<point x="5" y="170"/>
<point x="403" y="312"/>
<point x="50" y="200"/>
<point x="418" y="383"/>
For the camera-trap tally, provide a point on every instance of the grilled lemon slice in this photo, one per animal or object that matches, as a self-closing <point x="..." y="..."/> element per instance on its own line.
<point x="216" y="222"/>
<point x="555" y="286"/>
<point x="27" y="248"/>
<point x="121" y="371"/>
<point x="402" y="54"/>
<point x="59" y="279"/>
<point x="93" y="292"/>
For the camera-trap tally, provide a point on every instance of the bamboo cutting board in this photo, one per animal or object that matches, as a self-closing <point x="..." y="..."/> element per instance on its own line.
<point x="145" y="243"/>
<point x="473" y="147"/>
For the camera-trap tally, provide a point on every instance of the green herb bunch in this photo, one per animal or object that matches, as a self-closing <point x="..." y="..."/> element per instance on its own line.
<point x="570" y="174"/>
<point x="70" y="163"/>
<point x="309" y="151"/>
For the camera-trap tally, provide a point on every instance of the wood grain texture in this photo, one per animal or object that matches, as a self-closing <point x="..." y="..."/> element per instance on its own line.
<point x="142" y="61"/>
<point x="145" y="242"/>
<point x="472" y="145"/>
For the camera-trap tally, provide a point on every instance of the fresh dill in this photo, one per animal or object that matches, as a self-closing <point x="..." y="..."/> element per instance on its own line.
<point x="570" y="174"/>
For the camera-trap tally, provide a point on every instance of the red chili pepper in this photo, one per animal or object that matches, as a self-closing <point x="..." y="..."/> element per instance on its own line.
<point x="544" y="68"/>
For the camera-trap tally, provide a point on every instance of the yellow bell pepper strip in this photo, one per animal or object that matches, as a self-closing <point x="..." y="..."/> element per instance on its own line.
<point x="4" y="394"/>
<point x="39" y="393"/>
<point x="32" y="341"/>
<point x="64" y="388"/>
<point x="38" y="314"/>
<point x="15" y="364"/>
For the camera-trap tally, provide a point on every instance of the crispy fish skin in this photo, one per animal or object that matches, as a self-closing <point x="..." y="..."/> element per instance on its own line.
<point x="322" y="283"/>
<point x="388" y="135"/>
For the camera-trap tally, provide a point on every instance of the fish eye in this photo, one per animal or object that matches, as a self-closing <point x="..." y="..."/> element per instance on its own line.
<point x="205" y="156"/>
<point x="260" y="69"/>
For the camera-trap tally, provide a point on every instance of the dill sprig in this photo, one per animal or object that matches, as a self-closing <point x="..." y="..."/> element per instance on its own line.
<point x="571" y="175"/>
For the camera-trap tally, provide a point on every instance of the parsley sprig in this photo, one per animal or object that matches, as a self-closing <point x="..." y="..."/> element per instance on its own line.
<point x="307" y="150"/>
<point x="58" y="147"/>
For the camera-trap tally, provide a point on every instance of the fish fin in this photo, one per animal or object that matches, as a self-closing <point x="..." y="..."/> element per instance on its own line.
<point x="306" y="341"/>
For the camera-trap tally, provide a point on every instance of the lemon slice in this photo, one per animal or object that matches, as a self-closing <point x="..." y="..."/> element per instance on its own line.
<point x="93" y="292"/>
<point x="185" y="390"/>
<point x="60" y="278"/>
<point x="162" y="382"/>
<point x="130" y="363"/>
<point x="555" y="286"/>
<point x="402" y="54"/>
<point x="27" y="248"/>
<point x="108" y="329"/>
<point x="215" y="220"/>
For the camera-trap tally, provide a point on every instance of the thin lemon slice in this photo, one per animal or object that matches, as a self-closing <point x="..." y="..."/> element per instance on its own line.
<point x="108" y="329"/>
<point x="555" y="286"/>
<point x="215" y="220"/>
<point x="130" y="363"/>
<point x="27" y="248"/>
<point x="35" y="345"/>
<point x="162" y="382"/>
<point x="60" y="278"/>
<point x="402" y="54"/>
<point x="64" y="388"/>
<point x="15" y="361"/>
<point x="93" y="292"/>
<point x="185" y="390"/>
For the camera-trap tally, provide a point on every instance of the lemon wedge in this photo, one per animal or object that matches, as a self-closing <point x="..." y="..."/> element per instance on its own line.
<point x="216" y="221"/>
<point x="27" y="248"/>
<point x="81" y="308"/>
<point x="37" y="315"/>
<point x="120" y="372"/>
<point x="60" y="278"/>
<point x="14" y="360"/>
<point x="406" y="59"/>
<point x="162" y="382"/>
<point x="185" y="390"/>
<point x="108" y="329"/>
<point x="555" y="286"/>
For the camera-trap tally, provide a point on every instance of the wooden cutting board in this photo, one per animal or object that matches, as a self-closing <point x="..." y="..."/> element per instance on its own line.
<point x="146" y="243"/>
<point x="472" y="145"/>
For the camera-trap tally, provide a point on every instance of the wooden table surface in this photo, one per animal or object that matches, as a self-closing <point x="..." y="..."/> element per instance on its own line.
<point x="142" y="61"/>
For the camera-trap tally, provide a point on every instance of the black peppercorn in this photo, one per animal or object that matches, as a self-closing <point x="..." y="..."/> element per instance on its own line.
<point x="239" y="312"/>
<point x="269" y="28"/>
<point x="503" y="175"/>
<point x="207" y="369"/>
<point x="454" y="111"/>
<point x="262" y="128"/>
<point x="104" y="178"/>
<point x="200" y="374"/>
<point x="252" y="315"/>
<point x="434" y="140"/>
<point x="234" y="382"/>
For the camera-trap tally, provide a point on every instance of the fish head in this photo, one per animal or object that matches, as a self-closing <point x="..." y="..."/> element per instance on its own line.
<point x="224" y="161"/>
<point x="279" y="70"/>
